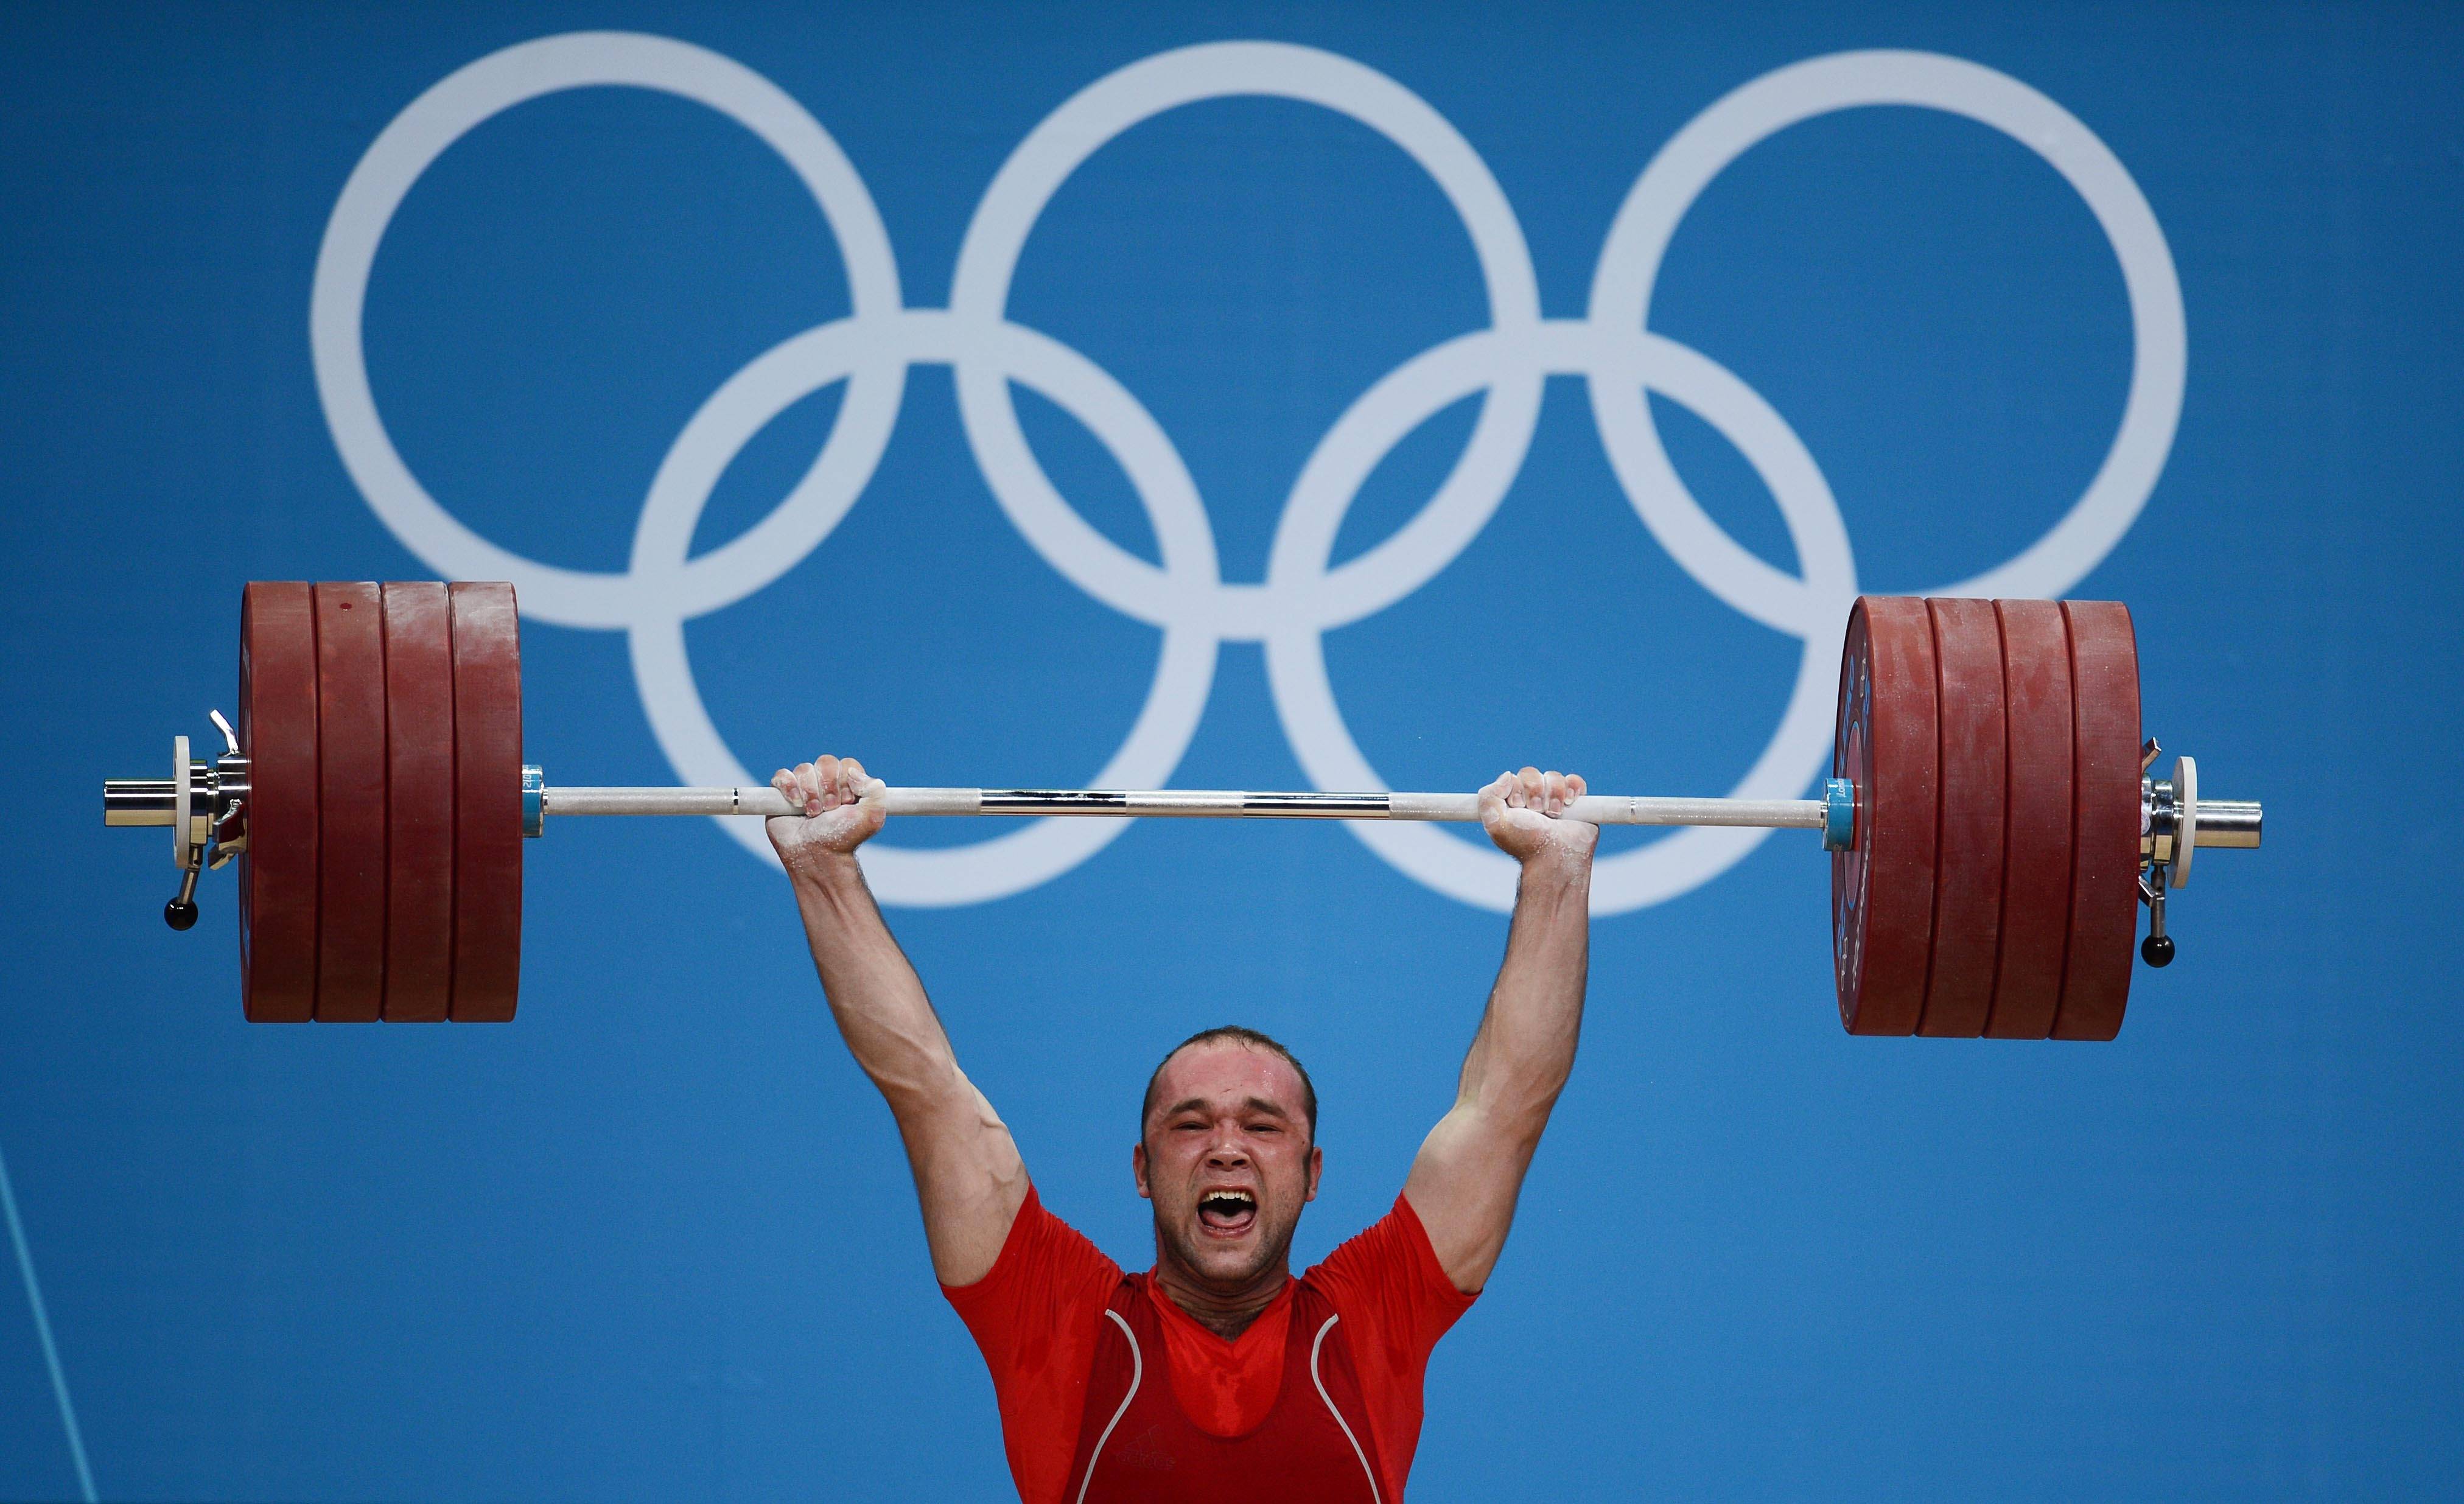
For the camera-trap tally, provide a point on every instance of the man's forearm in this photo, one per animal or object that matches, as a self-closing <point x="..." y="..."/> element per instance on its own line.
<point x="1525" y="1051"/>
<point x="882" y="1010"/>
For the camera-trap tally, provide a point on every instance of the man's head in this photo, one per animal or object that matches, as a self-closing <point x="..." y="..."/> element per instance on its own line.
<point x="1227" y="1151"/>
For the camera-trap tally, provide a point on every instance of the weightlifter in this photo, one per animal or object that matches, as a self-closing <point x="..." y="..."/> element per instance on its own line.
<point x="1216" y="1374"/>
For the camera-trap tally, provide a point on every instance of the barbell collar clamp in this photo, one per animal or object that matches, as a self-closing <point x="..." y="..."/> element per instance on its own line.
<point x="1838" y="815"/>
<point x="204" y="805"/>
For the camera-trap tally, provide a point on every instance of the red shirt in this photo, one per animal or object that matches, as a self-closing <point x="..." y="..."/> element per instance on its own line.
<point x="1041" y="1319"/>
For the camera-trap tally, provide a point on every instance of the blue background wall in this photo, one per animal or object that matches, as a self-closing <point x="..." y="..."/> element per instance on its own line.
<point x="656" y="1240"/>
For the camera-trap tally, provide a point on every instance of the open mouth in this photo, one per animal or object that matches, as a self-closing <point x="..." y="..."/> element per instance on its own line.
<point x="1227" y="1213"/>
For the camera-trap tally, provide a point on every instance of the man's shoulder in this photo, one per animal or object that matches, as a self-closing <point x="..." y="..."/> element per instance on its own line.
<point x="1059" y="1246"/>
<point x="1041" y="1256"/>
<point x="1387" y="1276"/>
<point x="1396" y="1237"/>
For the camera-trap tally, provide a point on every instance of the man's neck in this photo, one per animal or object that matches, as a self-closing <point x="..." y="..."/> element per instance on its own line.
<point x="1227" y="1313"/>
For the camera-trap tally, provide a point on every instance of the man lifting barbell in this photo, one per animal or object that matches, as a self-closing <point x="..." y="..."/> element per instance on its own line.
<point x="1992" y="822"/>
<point x="1216" y="1374"/>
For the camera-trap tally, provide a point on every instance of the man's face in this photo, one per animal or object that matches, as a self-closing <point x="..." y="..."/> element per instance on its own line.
<point x="1228" y="1161"/>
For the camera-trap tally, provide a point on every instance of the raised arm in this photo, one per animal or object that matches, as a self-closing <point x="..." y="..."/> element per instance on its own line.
<point x="968" y="1173"/>
<point x="1469" y="1170"/>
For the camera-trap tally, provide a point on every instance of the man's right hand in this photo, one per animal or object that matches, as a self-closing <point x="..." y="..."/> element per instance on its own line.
<point x="842" y="805"/>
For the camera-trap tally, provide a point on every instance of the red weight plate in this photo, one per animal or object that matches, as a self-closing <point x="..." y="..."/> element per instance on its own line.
<point x="419" y="822"/>
<point x="1967" y="866"/>
<point x="1881" y="887"/>
<point x="350" y="803"/>
<point x="487" y="802"/>
<point x="277" y="733"/>
<point x="2036" y="820"/>
<point x="2104" y="867"/>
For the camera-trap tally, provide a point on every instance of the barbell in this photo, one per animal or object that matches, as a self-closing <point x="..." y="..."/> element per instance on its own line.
<point x="1992" y="826"/>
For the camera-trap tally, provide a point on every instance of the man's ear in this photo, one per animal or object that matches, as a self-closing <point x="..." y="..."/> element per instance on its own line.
<point x="1139" y="1170"/>
<point x="1317" y="1171"/>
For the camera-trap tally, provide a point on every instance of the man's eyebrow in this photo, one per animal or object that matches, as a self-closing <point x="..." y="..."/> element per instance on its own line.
<point x="1255" y="1104"/>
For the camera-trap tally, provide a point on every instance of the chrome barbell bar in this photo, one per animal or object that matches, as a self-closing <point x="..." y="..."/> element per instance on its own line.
<point x="206" y="805"/>
<point x="153" y="802"/>
<point x="765" y="802"/>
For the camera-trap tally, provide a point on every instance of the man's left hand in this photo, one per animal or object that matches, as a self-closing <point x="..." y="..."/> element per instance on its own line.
<point x="1524" y="815"/>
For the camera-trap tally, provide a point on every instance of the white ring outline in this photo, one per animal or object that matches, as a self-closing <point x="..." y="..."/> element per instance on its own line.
<point x="449" y="109"/>
<point x="1684" y="859"/>
<point x="1629" y="270"/>
<point x="929" y="876"/>
<point x="1099" y="114"/>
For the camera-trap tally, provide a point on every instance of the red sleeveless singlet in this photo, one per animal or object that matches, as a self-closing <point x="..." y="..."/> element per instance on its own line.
<point x="1136" y="1446"/>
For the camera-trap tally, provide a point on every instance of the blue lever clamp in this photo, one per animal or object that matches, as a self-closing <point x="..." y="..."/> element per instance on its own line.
<point x="1838" y="815"/>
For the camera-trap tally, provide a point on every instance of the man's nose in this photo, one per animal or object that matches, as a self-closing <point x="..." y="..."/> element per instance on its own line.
<point x="1226" y="1152"/>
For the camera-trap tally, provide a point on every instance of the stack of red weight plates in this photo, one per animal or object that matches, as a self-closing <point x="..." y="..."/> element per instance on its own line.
<point x="383" y="872"/>
<point x="1991" y="887"/>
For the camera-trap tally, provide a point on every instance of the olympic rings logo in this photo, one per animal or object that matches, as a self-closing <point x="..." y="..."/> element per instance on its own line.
<point x="1301" y="598"/>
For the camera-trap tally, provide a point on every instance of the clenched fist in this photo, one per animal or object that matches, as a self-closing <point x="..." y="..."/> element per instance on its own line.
<point x="842" y="806"/>
<point x="1524" y="815"/>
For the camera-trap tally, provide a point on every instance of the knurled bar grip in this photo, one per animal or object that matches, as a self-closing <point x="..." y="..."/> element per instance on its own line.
<point x="1218" y="803"/>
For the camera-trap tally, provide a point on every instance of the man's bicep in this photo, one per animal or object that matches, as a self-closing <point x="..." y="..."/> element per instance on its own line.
<point x="970" y="1181"/>
<point x="1462" y="1186"/>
